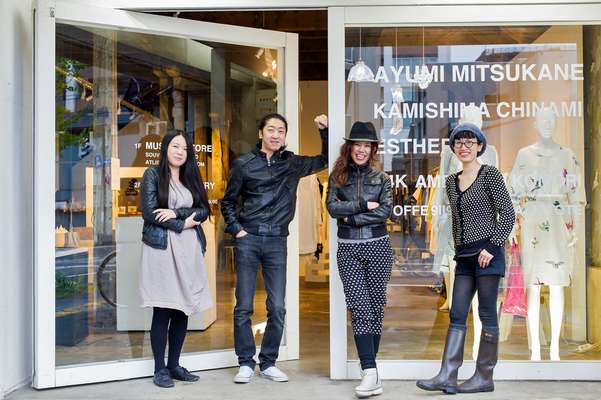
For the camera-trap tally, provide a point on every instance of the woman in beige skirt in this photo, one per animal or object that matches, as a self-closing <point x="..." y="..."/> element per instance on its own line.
<point x="173" y="278"/>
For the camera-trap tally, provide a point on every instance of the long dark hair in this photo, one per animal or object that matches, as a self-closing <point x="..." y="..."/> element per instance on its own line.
<point x="340" y="171"/>
<point x="189" y="175"/>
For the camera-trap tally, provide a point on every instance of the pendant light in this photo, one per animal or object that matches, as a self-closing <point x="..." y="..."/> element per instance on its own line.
<point x="360" y="72"/>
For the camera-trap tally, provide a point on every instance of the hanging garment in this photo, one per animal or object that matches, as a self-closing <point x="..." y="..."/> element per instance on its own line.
<point x="309" y="211"/>
<point x="547" y="188"/>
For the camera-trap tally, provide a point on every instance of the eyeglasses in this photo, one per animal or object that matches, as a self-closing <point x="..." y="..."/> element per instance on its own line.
<point x="465" y="143"/>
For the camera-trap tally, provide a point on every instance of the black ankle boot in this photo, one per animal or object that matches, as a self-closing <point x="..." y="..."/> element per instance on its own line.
<point x="181" y="374"/>
<point x="452" y="358"/>
<point x="162" y="378"/>
<point x="482" y="380"/>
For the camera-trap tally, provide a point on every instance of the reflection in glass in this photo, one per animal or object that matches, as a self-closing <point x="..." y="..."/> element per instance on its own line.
<point x="499" y="78"/>
<point x="117" y="93"/>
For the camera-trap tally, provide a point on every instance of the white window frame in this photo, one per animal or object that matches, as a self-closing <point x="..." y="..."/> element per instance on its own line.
<point x="47" y="14"/>
<point x="464" y="14"/>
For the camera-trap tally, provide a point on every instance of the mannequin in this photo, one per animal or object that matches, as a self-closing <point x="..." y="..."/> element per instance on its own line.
<point x="449" y="164"/>
<point x="547" y="187"/>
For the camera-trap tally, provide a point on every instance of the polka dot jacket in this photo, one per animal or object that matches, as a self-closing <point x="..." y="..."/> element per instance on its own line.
<point x="483" y="214"/>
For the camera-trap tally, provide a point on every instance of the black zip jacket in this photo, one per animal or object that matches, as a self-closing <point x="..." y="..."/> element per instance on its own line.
<point x="350" y="202"/>
<point x="154" y="233"/>
<point x="261" y="193"/>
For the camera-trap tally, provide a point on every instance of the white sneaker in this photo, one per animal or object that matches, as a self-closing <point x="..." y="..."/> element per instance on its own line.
<point x="370" y="384"/>
<point x="245" y="373"/>
<point x="274" y="374"/>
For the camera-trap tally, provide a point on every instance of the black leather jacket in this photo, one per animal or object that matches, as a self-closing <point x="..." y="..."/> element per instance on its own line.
<point x="350" y="201"/>
<point x="267" y="190"/>
<point x="154" y="233"/>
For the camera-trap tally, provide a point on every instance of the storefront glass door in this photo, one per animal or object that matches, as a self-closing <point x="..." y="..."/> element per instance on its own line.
<point x="490" y="71"/>
<point x="109" y="85"/>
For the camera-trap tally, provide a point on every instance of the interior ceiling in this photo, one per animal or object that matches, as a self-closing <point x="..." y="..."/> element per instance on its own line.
<point x="312" y="26"/>
<point x="446" y="36"/>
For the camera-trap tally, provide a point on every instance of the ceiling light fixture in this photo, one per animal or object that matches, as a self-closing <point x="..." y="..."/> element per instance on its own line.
<point x="360" y="72"/>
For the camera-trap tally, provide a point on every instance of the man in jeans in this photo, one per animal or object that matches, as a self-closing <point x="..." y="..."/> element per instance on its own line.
<point x="265" y="181"/>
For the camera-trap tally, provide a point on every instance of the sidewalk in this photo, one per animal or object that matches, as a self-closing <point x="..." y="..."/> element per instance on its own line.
<point x="217" y="385"/>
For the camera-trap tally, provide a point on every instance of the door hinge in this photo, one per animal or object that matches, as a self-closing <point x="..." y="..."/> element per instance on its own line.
<point x="51" y="12"/>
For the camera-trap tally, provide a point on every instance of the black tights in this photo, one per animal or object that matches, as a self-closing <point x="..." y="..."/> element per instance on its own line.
<point x="166" y="321"/>
<point x="464" y="287"/>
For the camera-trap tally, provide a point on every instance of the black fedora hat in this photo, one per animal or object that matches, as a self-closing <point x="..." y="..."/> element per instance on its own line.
<point x="363" y="132"/>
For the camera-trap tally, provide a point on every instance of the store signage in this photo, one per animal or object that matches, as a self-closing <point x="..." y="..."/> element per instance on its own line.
<point x="424" y="181"/>
<point x="473" y="73"/>
<point x="510" y="72"/>
<point x="152" y="152"/>
<point x="503" y="109"/>
<point x="413" y="146"/>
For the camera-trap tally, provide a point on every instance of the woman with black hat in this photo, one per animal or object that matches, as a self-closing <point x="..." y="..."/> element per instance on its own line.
<point x="360" y="198"/>
<point x="483" y="217"/>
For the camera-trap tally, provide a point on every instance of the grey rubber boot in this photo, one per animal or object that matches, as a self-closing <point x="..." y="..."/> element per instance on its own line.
<point x="452" y="359"/>
<point x="482" y="380"/>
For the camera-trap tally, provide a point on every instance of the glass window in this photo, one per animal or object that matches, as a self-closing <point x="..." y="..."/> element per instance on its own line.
<point x="535" y="92"/>
<point x="117" y="93"/>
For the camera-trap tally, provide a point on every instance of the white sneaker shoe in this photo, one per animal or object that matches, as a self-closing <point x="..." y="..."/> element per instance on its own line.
<point x="274" y="374"/>
<point x="245" y="373"/>
<point x="370" y="384"/>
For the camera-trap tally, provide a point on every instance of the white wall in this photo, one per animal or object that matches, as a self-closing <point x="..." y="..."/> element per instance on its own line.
<point x="16" y="183"/>
<point x="313" y="101"/>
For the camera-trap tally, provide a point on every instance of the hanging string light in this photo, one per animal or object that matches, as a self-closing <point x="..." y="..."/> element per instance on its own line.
<point x="396" y="90"/>
<point x="397" y="93"/>
<point x="423" y="77"/>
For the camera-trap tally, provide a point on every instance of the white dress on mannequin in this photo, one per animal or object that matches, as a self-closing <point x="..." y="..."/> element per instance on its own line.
<point x="546" y="184"/>
<point x="548" y="191"/>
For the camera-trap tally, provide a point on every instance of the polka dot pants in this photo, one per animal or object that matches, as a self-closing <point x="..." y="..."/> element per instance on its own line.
<point x="364" y="268"/>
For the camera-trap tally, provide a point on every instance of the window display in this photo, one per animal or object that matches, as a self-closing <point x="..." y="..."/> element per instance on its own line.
<point x="524" y="86"/>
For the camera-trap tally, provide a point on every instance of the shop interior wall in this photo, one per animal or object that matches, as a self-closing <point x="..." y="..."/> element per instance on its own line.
<point x="313" y="101"/>
<point x="16" y="201"/>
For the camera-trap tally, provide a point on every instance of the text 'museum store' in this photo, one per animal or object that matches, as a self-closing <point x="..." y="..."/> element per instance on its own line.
<point x="534" y="92"/>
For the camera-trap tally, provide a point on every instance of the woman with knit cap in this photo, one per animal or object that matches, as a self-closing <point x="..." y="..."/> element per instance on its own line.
<point x="483" y="217"/>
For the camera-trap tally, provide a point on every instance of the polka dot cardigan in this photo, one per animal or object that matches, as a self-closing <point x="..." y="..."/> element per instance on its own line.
<point x="483" y="214"/>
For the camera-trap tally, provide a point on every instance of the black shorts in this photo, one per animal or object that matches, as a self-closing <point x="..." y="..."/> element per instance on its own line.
<point x="469" y="266"/>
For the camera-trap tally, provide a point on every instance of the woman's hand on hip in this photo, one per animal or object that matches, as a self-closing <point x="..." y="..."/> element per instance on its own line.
<point x="484" y="258"/>
<point x="164" y="214"/>
<point x="190" y="223"/>
<point x="372" y="205"/>
<point x="241" y="234"/>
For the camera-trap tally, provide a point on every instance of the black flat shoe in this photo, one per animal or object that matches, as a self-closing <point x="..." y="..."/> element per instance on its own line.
<point x="181" y="374"/>
<point x="162" y="378"/>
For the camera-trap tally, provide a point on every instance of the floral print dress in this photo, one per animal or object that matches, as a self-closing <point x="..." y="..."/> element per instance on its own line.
<point x="548" y="191"/>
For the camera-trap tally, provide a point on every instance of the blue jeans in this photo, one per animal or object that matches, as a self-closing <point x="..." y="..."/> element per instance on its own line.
<point x="271" y="252"/>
